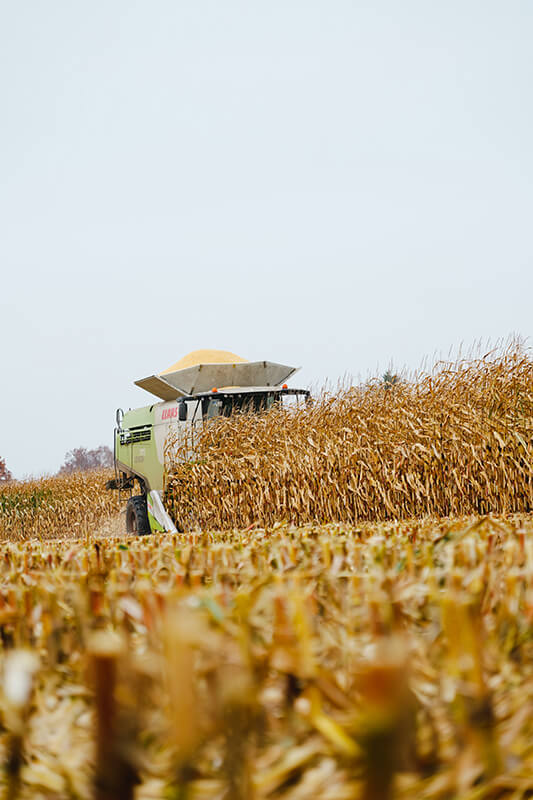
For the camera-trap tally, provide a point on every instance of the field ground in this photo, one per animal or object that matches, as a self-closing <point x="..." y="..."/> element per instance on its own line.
<point x="333" y="661"/>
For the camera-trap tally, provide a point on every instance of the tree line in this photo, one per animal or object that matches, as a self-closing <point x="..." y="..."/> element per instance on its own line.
<point x="79" y="459"/>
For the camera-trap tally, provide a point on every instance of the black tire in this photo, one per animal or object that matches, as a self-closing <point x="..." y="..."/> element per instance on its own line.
<point x="137" y="516"/>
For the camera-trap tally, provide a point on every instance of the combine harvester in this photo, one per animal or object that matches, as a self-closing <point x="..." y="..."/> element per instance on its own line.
<point x="204" y="385"/>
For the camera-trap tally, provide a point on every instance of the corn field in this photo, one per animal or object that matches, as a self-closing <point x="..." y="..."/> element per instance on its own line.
<point x="71" y="505"/>
<point x="349" y="615"/>
<point x="371" y="661"/>
<point x="454" y="442"/>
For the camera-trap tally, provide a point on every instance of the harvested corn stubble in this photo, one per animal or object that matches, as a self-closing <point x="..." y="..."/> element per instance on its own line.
<point x="385" y="660"/>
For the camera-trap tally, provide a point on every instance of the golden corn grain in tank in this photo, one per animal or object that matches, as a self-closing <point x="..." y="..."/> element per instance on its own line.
<point x="204" y="357"/>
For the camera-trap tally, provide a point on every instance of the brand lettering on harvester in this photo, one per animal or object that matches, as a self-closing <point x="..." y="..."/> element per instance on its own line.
<point x="168" y="413"/>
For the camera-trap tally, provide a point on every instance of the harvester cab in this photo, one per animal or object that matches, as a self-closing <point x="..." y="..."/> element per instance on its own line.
<point x="204" y="385"/>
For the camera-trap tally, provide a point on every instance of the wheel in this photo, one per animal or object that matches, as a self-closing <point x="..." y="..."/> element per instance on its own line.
<point x="137" y="516"/>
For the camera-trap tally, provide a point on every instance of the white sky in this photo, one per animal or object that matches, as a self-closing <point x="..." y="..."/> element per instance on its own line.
<point x="331" y="184"/>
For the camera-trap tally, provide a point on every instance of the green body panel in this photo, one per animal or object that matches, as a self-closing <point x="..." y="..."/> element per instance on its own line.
<point x="156" y="526"/>
<point x="139" y="416"/>
<point x="136" y="454"/>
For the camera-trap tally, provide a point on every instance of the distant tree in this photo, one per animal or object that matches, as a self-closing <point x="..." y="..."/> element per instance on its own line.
<point x="80" y="459"/>
<point x="390" y="378"/>
<point x="5" y="474"/>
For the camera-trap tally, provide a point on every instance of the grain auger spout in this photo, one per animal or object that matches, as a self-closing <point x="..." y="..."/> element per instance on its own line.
<point x="202" y="386"/>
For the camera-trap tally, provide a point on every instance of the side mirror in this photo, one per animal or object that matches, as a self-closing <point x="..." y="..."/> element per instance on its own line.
<point x="182" y="412"/>
<point x="119" y="417"/>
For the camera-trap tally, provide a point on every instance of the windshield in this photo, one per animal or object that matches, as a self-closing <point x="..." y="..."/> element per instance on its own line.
<point x="226" y="405"/>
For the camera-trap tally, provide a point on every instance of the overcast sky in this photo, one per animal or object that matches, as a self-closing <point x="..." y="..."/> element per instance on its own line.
<point x="329" y="184"/>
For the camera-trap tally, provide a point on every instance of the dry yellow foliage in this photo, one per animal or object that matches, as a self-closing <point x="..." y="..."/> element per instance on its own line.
<point x="70" y="505"/>
<point x="379" y="661"/>
<point x="457" y="441"/>
<point x="343" y="659"/>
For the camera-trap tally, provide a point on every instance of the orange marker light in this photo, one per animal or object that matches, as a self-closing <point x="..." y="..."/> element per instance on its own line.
<point x="214" y="389"/>
<point x="284" y="386"/>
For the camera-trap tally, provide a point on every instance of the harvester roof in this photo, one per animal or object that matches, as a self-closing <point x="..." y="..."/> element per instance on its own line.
<point x="201" y="370"/>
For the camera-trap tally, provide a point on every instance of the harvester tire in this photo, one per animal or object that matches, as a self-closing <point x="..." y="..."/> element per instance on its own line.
<point x="137" y="516"/>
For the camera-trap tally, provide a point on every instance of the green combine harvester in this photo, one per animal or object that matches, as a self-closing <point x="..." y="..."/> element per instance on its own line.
<point x="204" y="385"/>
